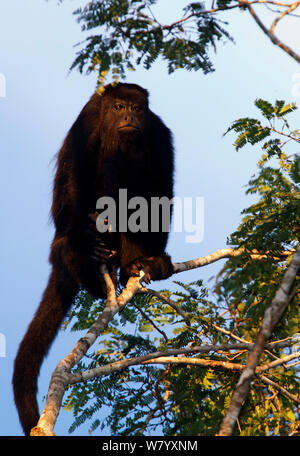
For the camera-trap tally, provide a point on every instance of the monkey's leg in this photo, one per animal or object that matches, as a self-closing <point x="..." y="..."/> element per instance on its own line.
<point x="56" y="301"/>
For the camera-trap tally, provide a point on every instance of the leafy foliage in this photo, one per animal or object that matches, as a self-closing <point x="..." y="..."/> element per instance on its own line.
<point x="128" y="34"/>
<point x="190" y="399"/>
<point x="272" y="224"/>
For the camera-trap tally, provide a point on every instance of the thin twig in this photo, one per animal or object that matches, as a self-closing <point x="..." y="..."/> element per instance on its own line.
<point x="272" y="37"/>
<point x="238" y="4"/>
<point x="168" y="301"/>
<point x="285" y="134"/>
<point x="151" y="322"/>
<point x="284" y="13"/>
<point x="289" y="7"/>
<point x="279" y="388"/>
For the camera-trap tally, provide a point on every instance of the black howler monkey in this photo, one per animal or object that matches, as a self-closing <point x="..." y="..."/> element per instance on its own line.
<point x="115" y="143"/>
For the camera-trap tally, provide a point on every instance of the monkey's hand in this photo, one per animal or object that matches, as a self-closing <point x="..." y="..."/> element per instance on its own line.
<point x="102" y="251"/>
<point x="155" y="268"/>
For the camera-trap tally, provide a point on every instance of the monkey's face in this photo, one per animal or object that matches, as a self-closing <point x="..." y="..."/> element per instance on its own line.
<point x="125" y="121"/>
<point x="127" y="114"/>
<point x="129" y="117"/>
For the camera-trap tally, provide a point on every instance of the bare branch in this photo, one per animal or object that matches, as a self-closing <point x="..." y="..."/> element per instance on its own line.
<point x="279" y="388"/>
<point x="226" y="253"/>
<point x="230" y="334"/>
<point x="223" y="365"/>
<point x="168" y="356"/>
<point x="285" y="134"/>
<point x="152" y="323"/>
<point x="271" y="35"/>
<point x="278" y="362"/>
<point x="284" y="13"/>
<point x="167" y="301"/>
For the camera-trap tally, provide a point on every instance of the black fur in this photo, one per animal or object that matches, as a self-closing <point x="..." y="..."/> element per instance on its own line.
<point x="100" y="155"/>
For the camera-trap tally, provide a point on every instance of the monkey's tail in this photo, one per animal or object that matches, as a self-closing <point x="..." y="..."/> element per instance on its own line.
<point x="56" y="301"/>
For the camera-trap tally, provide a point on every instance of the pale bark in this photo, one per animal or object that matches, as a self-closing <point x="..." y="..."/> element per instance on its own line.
<point x="61" y="374"/>
<point x="172" y="356"/>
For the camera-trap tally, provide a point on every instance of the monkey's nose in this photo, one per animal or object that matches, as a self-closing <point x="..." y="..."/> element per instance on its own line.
<point x="128" y="118"/>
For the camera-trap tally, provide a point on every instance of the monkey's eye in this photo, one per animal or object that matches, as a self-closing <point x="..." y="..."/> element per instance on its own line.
<point x="118" y="107"/>
<point x="135" y="108"/>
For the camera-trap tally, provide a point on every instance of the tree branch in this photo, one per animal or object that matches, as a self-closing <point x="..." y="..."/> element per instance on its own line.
<point x="239" y="4"/>
<point x="282" y="390"/>
<point x="169" y="356"/>
<point x="288" y="8"/>
<point x="271" y="318"/>
<point x="61" y="376"/>
<point x="271" y="35"/>
<point x="226" y="253"/>
<point x="284" y="13"/>
<point x="168" y="301"/>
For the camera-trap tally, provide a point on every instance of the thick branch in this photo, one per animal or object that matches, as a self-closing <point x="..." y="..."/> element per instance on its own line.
<point x="222" y="365"/>
<point x="271" y="318"/>
<point x="225" y="253"/>
<point x="61" y="375"/>
<point x="168" y="356"/>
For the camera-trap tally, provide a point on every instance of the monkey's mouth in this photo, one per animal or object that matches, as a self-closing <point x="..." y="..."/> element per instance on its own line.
<point x="128" y="129"/>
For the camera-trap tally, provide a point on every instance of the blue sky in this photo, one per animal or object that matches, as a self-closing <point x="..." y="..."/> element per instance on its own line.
<point x="42" y="100"/>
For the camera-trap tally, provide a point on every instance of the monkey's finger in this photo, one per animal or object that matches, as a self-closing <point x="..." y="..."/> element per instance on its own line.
<point x="101" y="251"/>
<point x="105" y="253"/>
<point x="93" y="218"/>
<point x="147" y="278"/>
<point x="104" y="248"/>
<point x="101" y="259"/>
